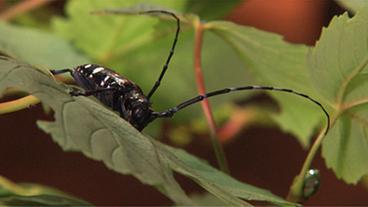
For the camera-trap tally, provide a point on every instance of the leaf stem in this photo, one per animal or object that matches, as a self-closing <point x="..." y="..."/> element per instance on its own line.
<point x="296" y="189"/>
<point x="219" y="151"/>
<point x="355" y="103"/>
<point x="26" y="101"/>
<point x="18" y="104"/>
<point x="21" y="8"/>
<point x="347" y="80"/>
<point x="19" y="190"/>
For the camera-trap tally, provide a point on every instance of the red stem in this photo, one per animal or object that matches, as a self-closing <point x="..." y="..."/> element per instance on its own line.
<point x="200" y="79"/>
<point x="220" y="155"/>
<point x="21" y="8"/>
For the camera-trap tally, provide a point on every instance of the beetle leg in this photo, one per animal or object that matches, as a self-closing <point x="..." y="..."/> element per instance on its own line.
<point x="124" y="112"/>
<point x="61" y="71"/>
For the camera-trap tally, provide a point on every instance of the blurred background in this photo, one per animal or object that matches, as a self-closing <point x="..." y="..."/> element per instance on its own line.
<point x="260" y="155"/>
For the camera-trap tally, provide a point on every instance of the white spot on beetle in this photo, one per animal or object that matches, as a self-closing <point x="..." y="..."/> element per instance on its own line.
<point x="87" y="66"/>
<point x="106" y="78"/>
<point x="121" y="81"/>
<point x="135" y="95"/>
<point x="99" y="69"/>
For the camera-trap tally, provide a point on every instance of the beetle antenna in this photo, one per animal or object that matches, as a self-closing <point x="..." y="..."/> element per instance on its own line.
<point x="171" y="111"/>
<point x="165" y="67"/>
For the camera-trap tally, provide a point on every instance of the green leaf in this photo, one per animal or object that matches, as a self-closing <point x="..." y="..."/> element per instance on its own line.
<point x="345" y="148"/>
<point x="353" y="5"/>
<point x="26" y="194"/>
<point x="275" y="62"/>
<point x="102" y="36"/>
<point x="339" y="64"/>
<point x="82" y="124"/>
<point x="37" y="47"/>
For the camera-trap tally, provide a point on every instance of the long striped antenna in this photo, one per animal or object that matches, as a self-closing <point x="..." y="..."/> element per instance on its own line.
<point x="171" y="111"/>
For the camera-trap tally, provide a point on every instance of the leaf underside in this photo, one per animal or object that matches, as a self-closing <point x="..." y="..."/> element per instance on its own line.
<point x="339" y="65"/>
<point x="82" y="124"/>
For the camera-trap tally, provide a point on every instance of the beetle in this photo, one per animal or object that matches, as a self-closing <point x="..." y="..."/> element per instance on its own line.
<point x="127" y="98"/>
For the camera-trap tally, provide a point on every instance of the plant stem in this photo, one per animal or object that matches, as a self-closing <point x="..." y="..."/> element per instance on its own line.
<point x="26" y="101"/>
<point x="21" y="8"/>
<point x="19" y="104"/>
<point x="296" y="189"/>
<point x="13" y="187"/>
<point x="219" y="151"/>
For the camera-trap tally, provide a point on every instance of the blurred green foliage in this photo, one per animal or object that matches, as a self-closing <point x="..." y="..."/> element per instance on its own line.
<point x="37" y="47"/>
<point x="333" y="72"/>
